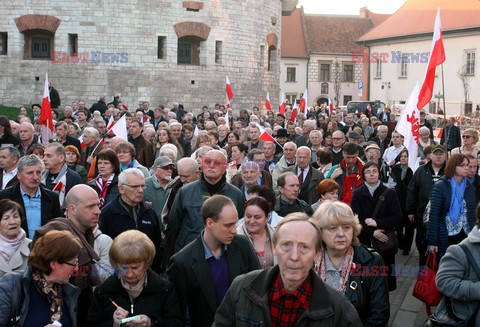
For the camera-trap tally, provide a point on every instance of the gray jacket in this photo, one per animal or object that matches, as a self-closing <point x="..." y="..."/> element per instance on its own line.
<point x="457" y="279"/>
<point x="247" y="303"/>
<point x="18" y="262"/>
<point x="11" y="288"/>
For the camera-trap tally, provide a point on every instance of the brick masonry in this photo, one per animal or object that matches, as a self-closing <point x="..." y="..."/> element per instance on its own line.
<point x="133" y="27"/>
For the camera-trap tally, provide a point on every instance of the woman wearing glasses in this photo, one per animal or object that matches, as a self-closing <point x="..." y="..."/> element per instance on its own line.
<point x="452" y="211"/>
<point x="469" y="139"/>
<point x="42" y="296"/>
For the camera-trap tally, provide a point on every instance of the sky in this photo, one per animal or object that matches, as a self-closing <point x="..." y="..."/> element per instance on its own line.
<point x="350" y="7"/>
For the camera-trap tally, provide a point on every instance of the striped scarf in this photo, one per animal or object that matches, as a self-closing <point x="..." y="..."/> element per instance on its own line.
<point x="103" y="188"/>
<point x="320" y="268"/>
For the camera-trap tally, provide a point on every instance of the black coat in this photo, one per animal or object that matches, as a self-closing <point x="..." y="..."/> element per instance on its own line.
<point x="190" y="274"/>
<point x="70" y="140"/>
<point x="389" y="214"/>
<point x="9" y="139"/>
<point x="112" y="191"/>
<point x="158" y="301"/>
<point x="100" y="106"/>
<point x="49" y="202"/>
<point x="401" y="186"/>
<point x="454" y="138"/>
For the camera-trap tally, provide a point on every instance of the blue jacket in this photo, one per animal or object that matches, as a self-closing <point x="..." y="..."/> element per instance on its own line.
<point x="437" y="229"/>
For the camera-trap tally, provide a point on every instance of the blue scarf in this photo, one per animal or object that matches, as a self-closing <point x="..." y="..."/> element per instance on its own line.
<point x="132" y="163"/>
<point x="456" y="202"/>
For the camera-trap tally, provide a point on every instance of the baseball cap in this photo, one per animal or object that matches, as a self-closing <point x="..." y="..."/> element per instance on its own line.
<point x="163" y="161"/>
<point x="372" y="146"/>
<point x="438" y="147"/>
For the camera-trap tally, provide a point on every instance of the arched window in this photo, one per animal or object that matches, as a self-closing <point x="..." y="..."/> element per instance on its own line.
<point x="188" y="52"/>
<point x="272" y="56"/>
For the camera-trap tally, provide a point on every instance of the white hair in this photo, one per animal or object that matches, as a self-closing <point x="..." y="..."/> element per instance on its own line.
<point x="122" y="178"/>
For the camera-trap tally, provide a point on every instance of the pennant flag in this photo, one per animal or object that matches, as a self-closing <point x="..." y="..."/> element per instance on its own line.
<point x="437" y="57"/>
<point x="267" y="102"/>
<point x="264" y="136"/>
<point x="303" y="103"/>
<point x="409" y="127"/>
<point x="330" y="106"/>
<point x="60" y="188"/>
<point x="229" y="92"/>
<point x="282" y="103"/>
<point x="120" y="128"/>
<point x="46" y="118"/>
<point x="111" y="122"/>
<point x="294" y="114"/>
<point x="196" y="131"/>
<point x="82" y="144"/>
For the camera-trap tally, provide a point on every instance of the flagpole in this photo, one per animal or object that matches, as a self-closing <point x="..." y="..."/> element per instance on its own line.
<point x="444" y="107"/>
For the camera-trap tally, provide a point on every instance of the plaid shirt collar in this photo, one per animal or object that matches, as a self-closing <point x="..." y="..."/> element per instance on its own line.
<point x="302" y="293"/>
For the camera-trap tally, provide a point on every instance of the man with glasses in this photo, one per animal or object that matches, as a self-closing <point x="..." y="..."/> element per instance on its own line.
<point x="185" y="217"/>
<point x="129" y="211"/>
<point x="338" y="140"/>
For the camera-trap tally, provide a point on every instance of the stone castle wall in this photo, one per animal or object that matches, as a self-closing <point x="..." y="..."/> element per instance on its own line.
<point x="132" y="27"/>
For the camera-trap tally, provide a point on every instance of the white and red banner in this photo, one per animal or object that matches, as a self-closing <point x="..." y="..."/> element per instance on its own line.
<point x="229" y="92"/>
<point x="282" y="103"/>
<point x="330" y="106"/>
<point x="268" y="105"/>
<point x="46" y="118"/>
<point x="264" y="136"/>
<point x="120" y="128"/>
<point x="60" y="188"/>
<point x="437" y="57"/>
<point x="303" y="103"/>
<point x="409" y="127"/>
<point x="111" y="122"/>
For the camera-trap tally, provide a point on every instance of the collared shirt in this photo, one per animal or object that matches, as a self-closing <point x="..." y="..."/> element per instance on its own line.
<point x="305" y="171"/>
<point x="7" y="177"/>
<point x="208" y="253"/>
<point x="332" y="273"/>
<point x="33" y="211"/>
<point x="286" y="308"/>
<point x="391" y="153"/>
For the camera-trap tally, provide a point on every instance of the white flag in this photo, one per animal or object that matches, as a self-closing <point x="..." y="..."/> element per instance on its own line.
<point x="120" y="128"/>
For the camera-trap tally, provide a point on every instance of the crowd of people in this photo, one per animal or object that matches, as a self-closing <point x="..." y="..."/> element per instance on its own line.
<point x="224" y="219"/>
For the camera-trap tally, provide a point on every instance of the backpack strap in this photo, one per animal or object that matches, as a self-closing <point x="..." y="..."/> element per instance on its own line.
<point x="379" y="202"/>
<point x="470" y="259"/>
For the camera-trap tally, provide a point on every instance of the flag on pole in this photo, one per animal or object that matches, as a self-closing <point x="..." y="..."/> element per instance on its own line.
<point x="60" y="188"/>
<point x="229" y="91"/>
<point x="409" y="127"/>
<point x="82" y="143"/>
<point x="268" y="105"/>
<point x="303" y="103"/>
<point x="264" y="136"/>
<point x="294" y="114"/>
<point x="196" y="131"/>
<point x="282" y="103"/>
<point x="437" y="57"/>
<point x="46" y="118"/>
<point x="227" y="119"/>
<point x="120" y="128"/>
<point x="111" y="122"/>
<point x="330" y="106"/>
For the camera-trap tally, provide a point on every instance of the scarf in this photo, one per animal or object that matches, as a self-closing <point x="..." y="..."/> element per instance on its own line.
<point x="351" y="180"/>
<point x="50" y="292"/>
<point x="403" y="172"/>
<point x="320" y="268"/>
<point x="214" y="189"/>
<point x="135" y="290"/>
<point x="8" y="246"/>
<point x="103" y="188"/>
<point x="371" y="189"/>
<point x="130" y="165"/>
<point x="456" y="201"/>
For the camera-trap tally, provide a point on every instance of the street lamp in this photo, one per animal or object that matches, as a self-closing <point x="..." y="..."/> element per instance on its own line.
<point x="438" y="96"/>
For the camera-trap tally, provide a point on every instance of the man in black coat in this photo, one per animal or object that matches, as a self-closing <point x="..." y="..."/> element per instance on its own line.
<point x="203" y="270"/>
<point x="100" y="106"/>
<point x="61" y="132"/>
<point x="451" y="138"/>
<point x="31" y="195"/>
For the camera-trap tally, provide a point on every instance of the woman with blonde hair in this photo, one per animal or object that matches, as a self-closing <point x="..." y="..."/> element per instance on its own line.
<point x="470" y="139"/>
<point x="349" y="266"/>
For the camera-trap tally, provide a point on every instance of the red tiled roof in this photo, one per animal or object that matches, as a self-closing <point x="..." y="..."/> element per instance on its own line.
<point x="335" y="34"/>
<point x="418" y="17"/>
<point x="293" y="38"/>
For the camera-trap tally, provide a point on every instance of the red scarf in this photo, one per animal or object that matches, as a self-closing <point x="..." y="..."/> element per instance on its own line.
<point x="103" y="188"/>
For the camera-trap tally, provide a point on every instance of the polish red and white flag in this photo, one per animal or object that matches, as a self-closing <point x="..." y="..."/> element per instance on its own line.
<point x="111" y="122"/>
<point x="46" y="118"/>
<point x="437" y="57"/>
<point x="303" y="103"/>
<point x="330" y="106"/>
<point x="120" y="128"/>
<point x="229" y="92"/>
<point x="282" y="103"/>
<point x="268" y="105"/>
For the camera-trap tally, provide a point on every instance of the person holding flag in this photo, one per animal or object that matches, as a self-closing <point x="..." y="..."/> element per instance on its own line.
<point x="46" y="118"/>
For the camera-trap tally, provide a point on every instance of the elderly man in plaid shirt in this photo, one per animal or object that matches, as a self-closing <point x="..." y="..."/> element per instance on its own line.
<point x="290" y="293"/>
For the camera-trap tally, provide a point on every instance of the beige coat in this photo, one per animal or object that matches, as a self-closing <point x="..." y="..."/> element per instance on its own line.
<point x="18" y="262"/>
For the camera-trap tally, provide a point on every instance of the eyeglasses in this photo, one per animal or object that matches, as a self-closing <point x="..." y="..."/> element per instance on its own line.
<point x="137" y="187"/>
<point x="465" y="136"/>
<point x="75" y="264"/>
<point x="337" y="138"/>
<point x="169" y="167"/>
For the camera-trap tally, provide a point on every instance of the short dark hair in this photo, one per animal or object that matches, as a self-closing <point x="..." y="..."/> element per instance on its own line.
<point x="265" y="192"/>
<point x="60" y="246"/>
<point x="253" y="152"/>
<point x="260" y="202"/>
<point x="126" y="146"/>
<point x="350" y="148"/>
<point x="7" y="205"/>
<point x="282" y="178"/>
<point x="368" y="165"/>
<point x="241" y="147"/>
<point x="324" y="156"/>
<point x="452" y="163"/>
<point x="478" y="215"/>
<point x="110" y="156"/>
<point x="213" y="205"/>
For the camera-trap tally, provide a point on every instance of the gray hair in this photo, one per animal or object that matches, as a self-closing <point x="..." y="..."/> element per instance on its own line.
<point x="167" y="153"/>
<point x="59" y="149"/>
<point x="122" y="178"/>
<point x="310" y="122"/>
<point x="189" y="162"/>
<point x="93" y="132"/>
<point x="424" y="130"/>
<point x="385" y="127"/>
<point x="29" y="161"/>
<point x="202" y="151"/>
<point x="12" y="151"/>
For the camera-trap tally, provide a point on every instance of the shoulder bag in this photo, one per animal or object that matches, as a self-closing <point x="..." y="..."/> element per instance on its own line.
<point x="390" y="247"/>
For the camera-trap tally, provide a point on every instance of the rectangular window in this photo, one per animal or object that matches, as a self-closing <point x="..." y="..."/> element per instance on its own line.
<point x="403" y="67"/>
<point x="348" y="73"/>
<point x="218" y="52"/>
<point x="72" y="44"/>
<point x="378" y="69"/>
<point x="262" y="56"/>
<point x="324" y="72"/>
<point x="3" y="43"/>
<point x="161" y="47"/>
<point x="291" y="72"/>
<point x="346" y="98"/>
<point x="41" y="47"/>
<point x="184" y="53"/>
<point x="470" y="62"/>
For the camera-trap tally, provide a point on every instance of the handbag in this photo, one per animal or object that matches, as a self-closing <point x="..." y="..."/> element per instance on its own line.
<point x="425" y="288"/>
<point x="452" y="312"/>
<point x="390" y="247"/>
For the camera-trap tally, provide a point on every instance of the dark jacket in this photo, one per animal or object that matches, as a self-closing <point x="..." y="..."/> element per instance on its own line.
<point x="383" y="145"/>
<point x="112" y="191"/>
<point x="158" y="301"/>
<point x="12" y="182"/>
<point x="49" y="202"/>
<point x="401" y="185"/>
<point x="247" y="303"/>
<point x="87" y="256"/>
<point x="185" y="216"/>
<point x="9" y="139"/>
<point x="100" y="106"/>
<point x="437" y="233"/>
<point x="370" y="296"/>
<point x="190" y="274"/>
<point x="81" y="171"/>
<point x="389" y="214"/>
<point x="72" y="179"/>
<point x="54" y="98"/>
<point x="454" y="138"/>
<point x="238" y="181"/>
<point x="70" y="140"/>
<point x="419" y="189"/>
<point x="143" y="151"/>
<point x="302" y="140"/>
<point x="308" y="190"/>
<point x="283" y="208"/>
<point x="12" y="286"/>
<point x="115" y="219"/>
<point x="186" y="146"/>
